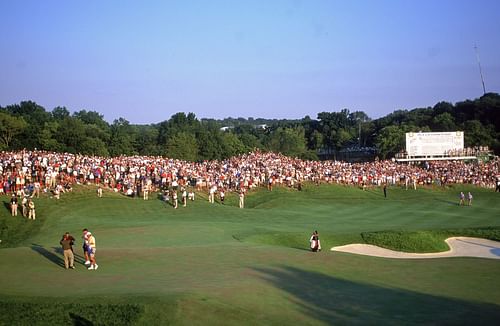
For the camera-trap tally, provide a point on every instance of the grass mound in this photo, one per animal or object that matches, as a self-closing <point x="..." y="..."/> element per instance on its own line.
<point x="417" y="241"/>
<point x="425" y="241"/>
<point x="23" y="313"/>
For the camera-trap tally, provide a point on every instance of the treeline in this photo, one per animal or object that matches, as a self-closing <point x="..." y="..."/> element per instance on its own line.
<point x="29" y="125"/>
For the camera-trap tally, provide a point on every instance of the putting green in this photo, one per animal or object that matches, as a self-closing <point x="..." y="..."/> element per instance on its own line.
<point x="218" y="264"/>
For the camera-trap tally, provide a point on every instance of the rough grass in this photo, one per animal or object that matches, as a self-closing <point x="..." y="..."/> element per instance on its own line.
<point x="57" y="313"/>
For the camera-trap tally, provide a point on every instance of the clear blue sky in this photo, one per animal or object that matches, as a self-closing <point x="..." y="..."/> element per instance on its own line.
<point x="146" y="60"/>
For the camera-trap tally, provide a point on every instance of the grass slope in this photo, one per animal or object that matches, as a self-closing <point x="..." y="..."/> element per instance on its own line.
<point x="215" y="264"/>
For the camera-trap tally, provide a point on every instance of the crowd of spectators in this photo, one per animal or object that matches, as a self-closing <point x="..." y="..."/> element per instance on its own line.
<point x="39" y="171"/>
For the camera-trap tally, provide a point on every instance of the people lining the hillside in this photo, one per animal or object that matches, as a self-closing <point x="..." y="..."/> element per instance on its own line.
<point x="33" y="172"/>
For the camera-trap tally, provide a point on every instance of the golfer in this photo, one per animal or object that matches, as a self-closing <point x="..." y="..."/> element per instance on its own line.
<point x="85" y="247"/>
<point x="314" y="241"/>
<point x="462" y="199"/>
<point x="67" y="245"/>
<point x="92" y="249"/>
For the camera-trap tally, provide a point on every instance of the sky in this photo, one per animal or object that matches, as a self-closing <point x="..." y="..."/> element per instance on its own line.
<point x="147" y="60"/>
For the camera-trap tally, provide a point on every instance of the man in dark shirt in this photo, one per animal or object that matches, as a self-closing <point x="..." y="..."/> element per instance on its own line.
<point x="67" y="246"/>
<point x="13" y="205"/>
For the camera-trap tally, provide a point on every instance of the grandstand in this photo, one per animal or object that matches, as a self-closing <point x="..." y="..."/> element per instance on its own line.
<point x="439" y="146"/>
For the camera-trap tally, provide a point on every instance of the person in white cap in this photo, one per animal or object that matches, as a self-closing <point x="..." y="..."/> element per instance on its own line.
<point x="91" y="249"/>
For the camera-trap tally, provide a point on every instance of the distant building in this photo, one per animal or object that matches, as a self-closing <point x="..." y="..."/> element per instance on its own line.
<point x="226" y="128"/>
<point x="263" y="126"/>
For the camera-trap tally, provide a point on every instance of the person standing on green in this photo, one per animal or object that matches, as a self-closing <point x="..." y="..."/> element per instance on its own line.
<point x="67" y="245"/>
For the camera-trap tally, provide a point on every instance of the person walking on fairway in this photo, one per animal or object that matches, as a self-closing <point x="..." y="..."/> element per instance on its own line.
<point x="462" y="199"/>
<point x="469" y="199"/>
<point x="67" y="245"/>
<point x="385" y="190"/>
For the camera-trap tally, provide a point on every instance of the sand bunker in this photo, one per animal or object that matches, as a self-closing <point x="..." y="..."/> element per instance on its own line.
<point x="460" y="247"/>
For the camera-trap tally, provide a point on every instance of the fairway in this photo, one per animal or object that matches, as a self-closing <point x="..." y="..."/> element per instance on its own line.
<point x="218" y="264"/>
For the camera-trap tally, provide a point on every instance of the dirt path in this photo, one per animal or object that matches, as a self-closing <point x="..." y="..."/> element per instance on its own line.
<point x="460" y="247"/>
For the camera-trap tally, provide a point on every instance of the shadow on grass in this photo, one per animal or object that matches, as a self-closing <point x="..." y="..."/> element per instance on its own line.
<point x="79" y="321"/>
<point x="78" y="258"/>
<point x="449" y="202"/>
<point x="301" y="248"/>
<point x="7" y="206"/>
<point x="337" y="301"/>
<point x="56" y="259"/>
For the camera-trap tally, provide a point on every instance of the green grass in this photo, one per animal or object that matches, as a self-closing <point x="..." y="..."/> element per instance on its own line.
<point x="425" y="241"/>
<point x="24" y="313"/>
<point x="221" y="265"/>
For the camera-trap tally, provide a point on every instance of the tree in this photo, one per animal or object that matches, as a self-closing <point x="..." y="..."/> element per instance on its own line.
<point x="209" y="145"/>
<point x="476" y="134"/>
<point x="91" y="117"/>
<point x="182" y="146"/>
<point x="231" y="145"/>
<point x="122" y="138"/>
<point x="250" y="141"/>
<point x="60" y="113"/>
<point x="9" y="128"/>
<point x="289" y="141"/>
<point x="35" y="116"/>
<point x="48" y="137"/>
<point x="71" y="133"/>
<point x="390" y="140"/>
<point x="443" y="122"/>
<point x="93" y="146"/>
<point x="146" y="140"/>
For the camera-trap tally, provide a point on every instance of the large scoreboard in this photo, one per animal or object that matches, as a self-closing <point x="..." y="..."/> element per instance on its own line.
<point x="433" y="143"/>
